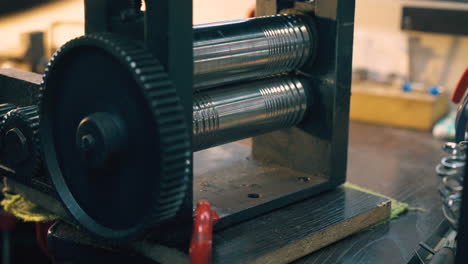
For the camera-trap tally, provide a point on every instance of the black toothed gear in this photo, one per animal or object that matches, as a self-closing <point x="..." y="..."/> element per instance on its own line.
<point x="114" y="136"/>
<point x="20" y="142"/>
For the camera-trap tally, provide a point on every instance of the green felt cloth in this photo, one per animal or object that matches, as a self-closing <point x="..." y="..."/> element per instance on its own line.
<point x="24" y="209"/>
<point x="398" y="208"/>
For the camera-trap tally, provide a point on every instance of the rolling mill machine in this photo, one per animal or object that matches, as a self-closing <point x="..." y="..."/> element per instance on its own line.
<point x="104" y="137"/>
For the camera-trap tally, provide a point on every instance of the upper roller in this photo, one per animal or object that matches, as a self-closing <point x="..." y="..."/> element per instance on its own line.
<point x="233" y="51"/>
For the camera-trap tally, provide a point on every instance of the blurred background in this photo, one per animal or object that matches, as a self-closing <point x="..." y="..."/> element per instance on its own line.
<point x="408" y="57"/>
<point x="381" y="48"/>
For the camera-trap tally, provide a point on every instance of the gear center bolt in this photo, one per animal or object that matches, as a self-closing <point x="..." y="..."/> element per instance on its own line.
<point x="100" y="137"/>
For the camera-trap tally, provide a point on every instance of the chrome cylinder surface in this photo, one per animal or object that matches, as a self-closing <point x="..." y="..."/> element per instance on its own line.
<point x="228" y="52"/>
<point x="241" y="111"/>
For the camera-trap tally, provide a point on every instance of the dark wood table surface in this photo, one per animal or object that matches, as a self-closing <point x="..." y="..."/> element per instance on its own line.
<point x="398" y="163"/>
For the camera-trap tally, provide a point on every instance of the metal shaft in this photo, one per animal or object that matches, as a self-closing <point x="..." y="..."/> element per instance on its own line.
<point x="228" y="52"/>
<point x="241" y="111"/>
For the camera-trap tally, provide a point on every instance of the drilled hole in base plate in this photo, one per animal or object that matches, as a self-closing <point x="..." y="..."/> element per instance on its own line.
<point x="253" y="195"/>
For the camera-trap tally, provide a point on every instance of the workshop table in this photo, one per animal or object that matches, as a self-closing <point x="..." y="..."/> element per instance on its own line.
<point x="398" y="163"/>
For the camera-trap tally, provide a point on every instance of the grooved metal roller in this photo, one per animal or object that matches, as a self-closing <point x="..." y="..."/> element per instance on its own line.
<point x="240" y="111"/>
<point x="247" y="49"/>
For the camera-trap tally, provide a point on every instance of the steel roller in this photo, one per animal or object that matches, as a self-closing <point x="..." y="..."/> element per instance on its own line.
<point x="233" y="51"/>
<point x="241" y="111"/>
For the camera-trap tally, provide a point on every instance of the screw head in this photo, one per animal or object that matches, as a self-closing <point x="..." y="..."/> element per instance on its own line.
<point x="87" y="143"/>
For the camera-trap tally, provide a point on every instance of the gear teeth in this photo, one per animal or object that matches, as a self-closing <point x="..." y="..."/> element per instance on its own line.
<point x="4" y="109"/>
<point x="162" y="98"/>
<point x="26" y="119"/>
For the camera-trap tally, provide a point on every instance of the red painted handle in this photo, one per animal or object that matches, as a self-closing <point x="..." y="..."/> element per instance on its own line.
<point x="460" y="90"/>
<point x="202" y="237"/>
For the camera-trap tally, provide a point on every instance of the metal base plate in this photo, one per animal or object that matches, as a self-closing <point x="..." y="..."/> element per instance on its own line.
<point x="240" y="188"/>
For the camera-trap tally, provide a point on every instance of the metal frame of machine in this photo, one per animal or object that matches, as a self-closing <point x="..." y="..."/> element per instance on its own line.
<point x="285" y="166"/>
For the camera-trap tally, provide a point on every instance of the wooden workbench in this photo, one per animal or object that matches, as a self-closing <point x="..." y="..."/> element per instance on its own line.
<point x="398" y="163"/>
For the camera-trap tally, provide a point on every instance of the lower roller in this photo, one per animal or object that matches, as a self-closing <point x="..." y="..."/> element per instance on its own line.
<point x="241" y="111"/>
